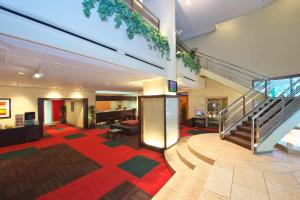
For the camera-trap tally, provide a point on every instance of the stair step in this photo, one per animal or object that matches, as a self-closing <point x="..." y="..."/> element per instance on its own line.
<point x="247" y="123"/>
<point x="184" y="153"/>
<point x="241" y="134"/>
<point x="239" y="141"/>
<point x="174" y="161"/>
<point x="244" y="128"/>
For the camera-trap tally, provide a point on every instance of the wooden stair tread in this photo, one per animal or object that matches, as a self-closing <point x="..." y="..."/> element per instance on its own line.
<point x="242" y="134"/>
<point x="239" y="141"/>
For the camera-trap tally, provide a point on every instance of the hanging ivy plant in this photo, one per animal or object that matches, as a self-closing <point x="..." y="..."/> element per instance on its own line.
<point x="189" y="60"/>
<point x="134" y="22"/>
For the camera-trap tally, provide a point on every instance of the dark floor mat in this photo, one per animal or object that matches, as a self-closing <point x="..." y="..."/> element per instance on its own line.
<point x="30" y="176"/>
<point x="126" y="191"/>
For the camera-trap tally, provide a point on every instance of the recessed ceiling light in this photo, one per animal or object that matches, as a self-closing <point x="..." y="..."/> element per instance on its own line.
<point x="188" y="2"/>
<point x="38" y="75"/>
<point x="21" y="73"/>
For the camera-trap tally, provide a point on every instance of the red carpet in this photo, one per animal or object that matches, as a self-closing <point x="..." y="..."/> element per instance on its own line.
<point x="103" y="180"/>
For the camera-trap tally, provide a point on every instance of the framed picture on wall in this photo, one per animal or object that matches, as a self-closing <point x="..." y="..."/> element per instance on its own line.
<point x="5" y="108"/>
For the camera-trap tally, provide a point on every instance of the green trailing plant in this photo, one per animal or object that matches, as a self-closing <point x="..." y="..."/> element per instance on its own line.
<point x="134" y="22"/>
<point x="63" y="113"/>
<point x="189" y="60"/>
<point x="183" y="114"/>
<point x="92" y="116"/>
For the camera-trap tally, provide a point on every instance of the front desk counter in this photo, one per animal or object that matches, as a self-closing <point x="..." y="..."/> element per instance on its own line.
<point x="13" y="136"/>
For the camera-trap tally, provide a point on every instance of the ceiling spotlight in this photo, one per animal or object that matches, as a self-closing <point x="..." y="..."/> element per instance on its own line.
<point x="188" y="2"/>
<point x="21" y="73"/>
<point x="38" y="75"/>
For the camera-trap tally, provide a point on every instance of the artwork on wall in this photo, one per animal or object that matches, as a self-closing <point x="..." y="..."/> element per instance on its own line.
<point x="5" y="108"/>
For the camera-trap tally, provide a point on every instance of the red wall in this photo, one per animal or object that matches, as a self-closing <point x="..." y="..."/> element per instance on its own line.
<point x="56" y="104"/>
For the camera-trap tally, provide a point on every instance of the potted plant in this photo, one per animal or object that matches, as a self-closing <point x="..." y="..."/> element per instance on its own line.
<point x="183" y="114"/>
<point x="63" y="111"/>
<point x="92" y="116"/>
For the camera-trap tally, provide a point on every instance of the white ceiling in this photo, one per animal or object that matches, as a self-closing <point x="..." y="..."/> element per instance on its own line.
<point x="62" y="69"/>
<point x="197" y="17"/>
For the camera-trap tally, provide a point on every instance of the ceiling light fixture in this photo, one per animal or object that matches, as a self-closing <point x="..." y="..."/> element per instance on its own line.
<point x="38" y="75"/>
<point x="21" y="73"/>
<point x="188" y="2"/>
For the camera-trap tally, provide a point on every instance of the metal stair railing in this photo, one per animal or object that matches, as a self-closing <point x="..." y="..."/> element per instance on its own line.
<point x="228" y="70"/>
<point x="274" y="114"/>
<point x="242" y="107"/>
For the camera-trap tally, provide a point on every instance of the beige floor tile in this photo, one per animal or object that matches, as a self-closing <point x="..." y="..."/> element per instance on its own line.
<point x="243" y="193"/>
<point x="281" y="178"/>
<point x="202" y="171"/>
<point x="192" y="188"/>
<point x="251" y="179"/>
<point x="297" y="174"/>
<point x="281" y="192"/>
<point x="219" y="181"/>
<point x="165" y="194"/>
<point x="178" y="180"/>
<point x="209" y="195"/>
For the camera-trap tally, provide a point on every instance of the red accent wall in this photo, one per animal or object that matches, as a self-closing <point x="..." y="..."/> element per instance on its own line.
<point x="56" y="104"/>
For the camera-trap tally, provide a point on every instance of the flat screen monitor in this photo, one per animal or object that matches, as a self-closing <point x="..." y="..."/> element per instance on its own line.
<point x="172" y="86"/>
<point x="30" y="116"/>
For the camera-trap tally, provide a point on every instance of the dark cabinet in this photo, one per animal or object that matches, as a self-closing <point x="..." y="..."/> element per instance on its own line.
<point x="20" y="135"/>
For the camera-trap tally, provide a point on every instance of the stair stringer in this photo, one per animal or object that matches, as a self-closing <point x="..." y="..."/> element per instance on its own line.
<point x="268" y="144"/>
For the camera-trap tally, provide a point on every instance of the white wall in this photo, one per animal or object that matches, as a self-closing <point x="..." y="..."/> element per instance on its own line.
<point x="68" y="14"/>
<point x="266" y="41"/>
<point x="212" y="89"/>
<point x="25" y="99"/>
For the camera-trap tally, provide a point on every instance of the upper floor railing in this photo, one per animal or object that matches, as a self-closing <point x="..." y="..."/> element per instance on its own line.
<point x="138" y="7"/>
<point x="228" y="70"/>
<point x="223" y="68"/>
<point x="181" y="46"/>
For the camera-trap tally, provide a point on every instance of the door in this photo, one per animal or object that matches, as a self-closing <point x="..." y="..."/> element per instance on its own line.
<point x="48" y="112"/>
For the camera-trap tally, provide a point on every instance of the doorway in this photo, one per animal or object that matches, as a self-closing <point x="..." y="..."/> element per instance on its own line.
<point x="76" y="111"/>
<point x="52" y="112"/>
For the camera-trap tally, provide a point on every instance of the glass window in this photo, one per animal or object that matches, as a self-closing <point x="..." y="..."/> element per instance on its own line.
<point x="279" y="86"/>
<point x="297" y="86"/>
<point x="259" y="86"/>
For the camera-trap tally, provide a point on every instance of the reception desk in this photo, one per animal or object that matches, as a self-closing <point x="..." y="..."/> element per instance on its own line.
<point x="110" y="116"/>
<point x="20" y="135"/>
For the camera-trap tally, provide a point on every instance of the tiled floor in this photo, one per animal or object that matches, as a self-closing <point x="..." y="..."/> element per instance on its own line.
<point x="236" y="173"/>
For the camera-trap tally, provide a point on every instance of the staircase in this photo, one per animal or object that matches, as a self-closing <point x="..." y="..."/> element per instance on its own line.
<point x="227" y="73"/>
<point x="253" y="118"/>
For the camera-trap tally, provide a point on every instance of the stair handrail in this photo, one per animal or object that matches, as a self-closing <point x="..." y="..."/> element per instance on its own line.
<point x="230" y="68"/>
<point x="255" y="119"/>
<point x="251" y="93"/>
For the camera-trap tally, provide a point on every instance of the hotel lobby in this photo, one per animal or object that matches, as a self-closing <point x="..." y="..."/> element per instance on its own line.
<point x="149" y="99"/>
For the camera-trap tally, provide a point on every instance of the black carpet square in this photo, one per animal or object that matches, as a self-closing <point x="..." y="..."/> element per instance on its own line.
<point x="32" y="174"/>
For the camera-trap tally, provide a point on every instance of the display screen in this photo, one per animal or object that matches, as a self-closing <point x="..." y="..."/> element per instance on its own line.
<point x="199" y="113"/>
<point x="172" y="86"/>
<point x="29" y="115"/>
